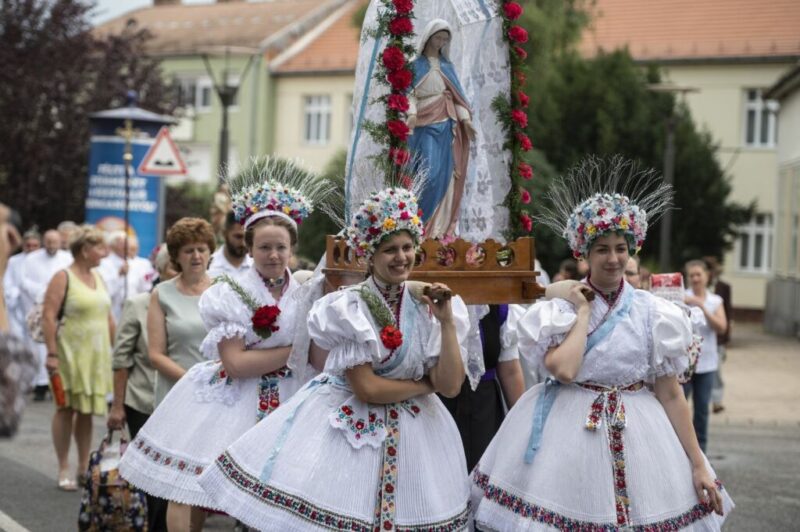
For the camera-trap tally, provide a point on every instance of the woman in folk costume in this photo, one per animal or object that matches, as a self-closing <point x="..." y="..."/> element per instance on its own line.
<point x="251" y="324"/>
<point x="441" y="124"/>
<point x="366" y="445"/>
<point x="595" y="448"/>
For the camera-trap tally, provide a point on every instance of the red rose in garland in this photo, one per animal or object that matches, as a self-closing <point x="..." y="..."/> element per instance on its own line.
<point x="398" y="102"/>
<point x="391" y="337"/>
<point x="519" y="117"/>
<point x="264" y="320"/>
<point x="525" y="171"/>
<point x="512" y="10"/>
<point x="400" y="79"/>
<point x="518" y="34"/>
<point x="524" y="196"/>
<point x="393" y="58"/>
<point x="403" y="7"/>
<point x="521" y="53"/>
<point x="399" y="157"/>
<point x="523" y="99"/>
<point x="526" y="222"/>
<point x="402" y="26"/>
<point x="398" y="129"/>
<point x="524" y="142"/>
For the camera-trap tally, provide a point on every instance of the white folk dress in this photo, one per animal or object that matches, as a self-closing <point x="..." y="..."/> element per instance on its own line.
<point x="328" y="461"/>
<point x="207" y="410"/>
<point x="601" y="454"/>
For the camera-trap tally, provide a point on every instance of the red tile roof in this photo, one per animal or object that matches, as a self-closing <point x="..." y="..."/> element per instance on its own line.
<point x="664" y="30"/>
<point x="188" y="27"/>
<point x="333" y="49"/>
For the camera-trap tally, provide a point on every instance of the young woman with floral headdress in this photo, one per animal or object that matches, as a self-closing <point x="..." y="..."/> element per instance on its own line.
<point x="251" y="323"/>
<point x="594" y="448"/>
<point x="366" y="445"/>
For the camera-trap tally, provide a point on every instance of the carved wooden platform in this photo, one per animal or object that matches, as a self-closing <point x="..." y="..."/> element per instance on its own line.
<point x="486" y="273"/>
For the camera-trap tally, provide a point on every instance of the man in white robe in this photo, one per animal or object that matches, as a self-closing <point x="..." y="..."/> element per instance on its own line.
<point x="113" y="269"/>
<point x="12" y="284"/>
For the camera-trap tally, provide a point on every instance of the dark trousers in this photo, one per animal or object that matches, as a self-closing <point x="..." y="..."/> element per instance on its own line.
<point x="478" y="416"/>
<point x="156" y="507"/>
<point x="699" y="388"/>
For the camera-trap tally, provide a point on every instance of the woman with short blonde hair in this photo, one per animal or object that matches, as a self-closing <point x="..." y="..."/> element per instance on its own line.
<point x="79" y="348"/>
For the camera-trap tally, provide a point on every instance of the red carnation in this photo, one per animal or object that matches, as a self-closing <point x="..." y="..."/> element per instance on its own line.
<point x="400" y="79"/>
<point x="403" y="6"/>
<point x="525" y="196"/>
<point x="398" y="129"/>
<point x="399" y="156"/>
<point x="512" y="10"/>
<point x="393" y="58"/>
<point x="264" y="320"/>
<point x="518" y="34"/>
<point x="525" y="171"/>
<point x="519" y="117"/>
<point x="403" y="25"/>
<point x="524" y="142"/>
<point x="391" y="337"/>
<point x="521" y="53"/>
<point x="521" y="77"/>
<point x="523" y="99"/>
<point x="398" y="102"/>
<point x="527" y="223"/>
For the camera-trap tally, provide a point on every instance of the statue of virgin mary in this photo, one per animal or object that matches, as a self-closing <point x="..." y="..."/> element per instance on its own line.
<point x="441" y="124"/>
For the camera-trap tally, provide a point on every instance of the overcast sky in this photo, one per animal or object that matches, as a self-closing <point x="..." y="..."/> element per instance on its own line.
<point x="108" y="9"/>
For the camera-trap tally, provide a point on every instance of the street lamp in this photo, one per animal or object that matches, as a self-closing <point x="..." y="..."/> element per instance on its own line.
<point x="226" y="92"/>
<point x="664" y="258"/>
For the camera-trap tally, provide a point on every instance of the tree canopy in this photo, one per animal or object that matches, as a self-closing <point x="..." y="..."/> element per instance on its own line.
<point x="55" y="73"/>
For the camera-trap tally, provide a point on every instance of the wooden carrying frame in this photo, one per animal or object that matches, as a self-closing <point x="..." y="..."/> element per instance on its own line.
<point x="505" y="274"/>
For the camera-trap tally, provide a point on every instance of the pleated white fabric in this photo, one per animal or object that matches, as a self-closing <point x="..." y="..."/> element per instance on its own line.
<point x="317" y="462"/>
<point x="573" y="481"/>
<point x="206" y="410"/>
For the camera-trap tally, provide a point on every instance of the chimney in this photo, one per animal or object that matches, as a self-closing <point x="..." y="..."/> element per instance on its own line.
<point x="166" y="2"/>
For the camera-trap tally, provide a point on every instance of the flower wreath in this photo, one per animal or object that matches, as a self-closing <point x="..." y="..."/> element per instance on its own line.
<point x="602" y="213"/>
<point x="388" y="211"/>
<point x="264" y="316"/>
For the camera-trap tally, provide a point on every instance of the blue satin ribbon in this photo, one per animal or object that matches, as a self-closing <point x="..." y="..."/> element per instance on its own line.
<point x="540" y="412"/>
<point x="300" y="398"/>
<point x="548" y="396"/>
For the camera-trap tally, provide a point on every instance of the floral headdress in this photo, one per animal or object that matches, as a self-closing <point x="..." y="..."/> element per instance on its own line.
<point x="270" y="186"/>
<point x="598" y="197"/>
<point x="382" y="214"/>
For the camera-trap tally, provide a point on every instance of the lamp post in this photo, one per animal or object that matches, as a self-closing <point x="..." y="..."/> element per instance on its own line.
<point x="226" y="92"/>
<point x="665" y="236"/>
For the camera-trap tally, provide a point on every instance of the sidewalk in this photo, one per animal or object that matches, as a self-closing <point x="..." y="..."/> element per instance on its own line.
<point x="762" y="379"/>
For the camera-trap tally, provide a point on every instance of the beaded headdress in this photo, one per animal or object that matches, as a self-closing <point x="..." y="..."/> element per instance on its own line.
<point x="599" y="196"/>
<point x="270" y="186"/>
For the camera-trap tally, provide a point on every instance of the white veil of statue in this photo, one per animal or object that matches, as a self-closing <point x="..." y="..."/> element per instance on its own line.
<point x="480" y="57"/>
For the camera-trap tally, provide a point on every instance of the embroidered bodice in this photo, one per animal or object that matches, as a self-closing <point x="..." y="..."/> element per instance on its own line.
<point x="649" y="341"/>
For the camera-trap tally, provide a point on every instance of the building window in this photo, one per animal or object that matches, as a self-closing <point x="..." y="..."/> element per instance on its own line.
<point x="760" y="120"/>
<point x="317" y="119"/>
<point x="195" y="92"/>
<point x="754" y="245"/>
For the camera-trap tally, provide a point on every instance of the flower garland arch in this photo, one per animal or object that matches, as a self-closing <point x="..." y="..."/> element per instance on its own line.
<point x="393" y="70"/>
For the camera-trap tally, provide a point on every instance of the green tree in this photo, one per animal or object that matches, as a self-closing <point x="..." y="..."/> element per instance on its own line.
<point x="55" y="72"/>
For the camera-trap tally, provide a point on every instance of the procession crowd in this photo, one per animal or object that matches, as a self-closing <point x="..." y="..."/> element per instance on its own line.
<point x="248" y="389"/>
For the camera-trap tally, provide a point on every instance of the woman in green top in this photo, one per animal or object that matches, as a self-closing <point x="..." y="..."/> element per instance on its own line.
<point x="80" y="349"/>
<point x="174" y="326"/>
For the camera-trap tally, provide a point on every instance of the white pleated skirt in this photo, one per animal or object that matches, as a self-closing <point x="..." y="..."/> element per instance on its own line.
<point x="194" y="423"/>
<point x="579" y="476"/>
<point x="318" y="481"/>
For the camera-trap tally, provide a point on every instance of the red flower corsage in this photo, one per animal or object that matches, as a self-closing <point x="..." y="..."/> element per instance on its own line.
<point x="264" y="320"/>
<point x="391" y="337"/>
